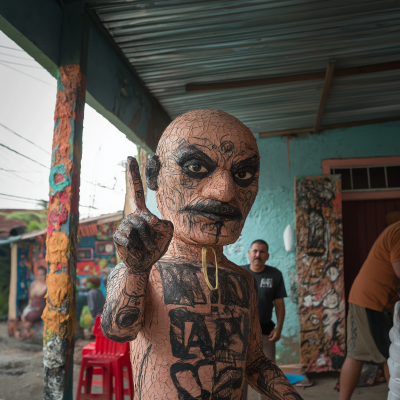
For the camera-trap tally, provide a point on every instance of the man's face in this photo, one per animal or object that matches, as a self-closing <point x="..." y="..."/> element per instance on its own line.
<point x="209" y="177"/>
<point x="258" y="254"/>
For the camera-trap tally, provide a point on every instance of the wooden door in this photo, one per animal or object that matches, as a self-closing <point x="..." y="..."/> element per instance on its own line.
<point x="319" y="237"/>
<point x="363" y="222"/>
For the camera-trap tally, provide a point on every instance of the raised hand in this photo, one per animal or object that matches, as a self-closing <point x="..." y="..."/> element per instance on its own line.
<point x="141" y="239"/>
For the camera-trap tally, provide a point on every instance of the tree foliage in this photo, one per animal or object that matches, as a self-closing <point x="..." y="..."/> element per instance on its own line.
<point x="35" y="220"/>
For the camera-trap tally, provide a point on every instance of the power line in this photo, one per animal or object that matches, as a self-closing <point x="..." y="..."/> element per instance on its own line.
<point x="12" y="55"/>
<point x="15" y="133"/>
<point x="20" y="177"/>
<point x="30" y="199"/>
<point x="100" y="185"/>
<point x="23" y="65"/>
<point x="21" y="201"/>
<point x="20" y="172"/>
<point x="11" y="48"/>
<point x="22" y="155"/>
<point x="23" y="73"/>
<point x="15" y="151"/>
<point x="19" y="197"/>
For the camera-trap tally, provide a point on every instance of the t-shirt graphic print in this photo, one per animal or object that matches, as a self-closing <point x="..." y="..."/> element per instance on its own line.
<point x="270" y="287"/>
<point x="267" y="282"/>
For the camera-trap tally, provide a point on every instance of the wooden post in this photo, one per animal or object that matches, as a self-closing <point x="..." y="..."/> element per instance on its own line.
<point x="130" y="205"/>
<point x="12" y="297"/>
<point x="142" y="167"/>
<point x="63" y="212"/>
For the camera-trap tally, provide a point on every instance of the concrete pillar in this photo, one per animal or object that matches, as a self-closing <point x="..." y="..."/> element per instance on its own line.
<point x="63" y="216"/>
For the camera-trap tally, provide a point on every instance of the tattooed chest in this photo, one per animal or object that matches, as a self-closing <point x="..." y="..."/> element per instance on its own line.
<point x="208" y="330"/>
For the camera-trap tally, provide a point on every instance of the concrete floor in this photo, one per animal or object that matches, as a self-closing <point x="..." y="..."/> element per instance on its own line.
<point x="323" y="389"/>
<point x="21" y="368"/>
<point x="21" y="375"/>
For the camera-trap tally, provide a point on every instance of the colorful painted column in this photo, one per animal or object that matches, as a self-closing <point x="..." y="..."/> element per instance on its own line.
<point x="63" y="213"/>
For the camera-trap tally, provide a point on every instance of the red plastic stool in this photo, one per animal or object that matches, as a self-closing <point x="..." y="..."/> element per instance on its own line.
<point x="108" y="359"/>
<point x="88" y="365"/>
<point x="89" y="349"/>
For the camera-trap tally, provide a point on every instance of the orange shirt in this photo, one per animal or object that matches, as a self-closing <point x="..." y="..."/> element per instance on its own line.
<point x="376" y="284"/>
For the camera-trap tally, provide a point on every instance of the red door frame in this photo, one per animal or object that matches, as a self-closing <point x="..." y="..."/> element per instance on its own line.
<point x="327" y="165"/>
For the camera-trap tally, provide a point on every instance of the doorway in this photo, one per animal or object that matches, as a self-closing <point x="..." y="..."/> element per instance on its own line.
<point x="363" y="222"/>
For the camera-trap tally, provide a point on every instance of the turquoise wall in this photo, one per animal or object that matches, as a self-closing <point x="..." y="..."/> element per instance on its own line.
<point x="273" y="209"/>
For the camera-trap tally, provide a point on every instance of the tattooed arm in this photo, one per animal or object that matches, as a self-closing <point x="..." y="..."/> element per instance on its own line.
<point x="141" y="240"/>
<point x="262" y="374"/>
<point x="123" y="312"/>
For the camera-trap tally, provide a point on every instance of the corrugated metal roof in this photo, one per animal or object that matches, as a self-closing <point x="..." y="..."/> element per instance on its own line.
<point x="171" y="43"/>
<point x="104" y="218"/>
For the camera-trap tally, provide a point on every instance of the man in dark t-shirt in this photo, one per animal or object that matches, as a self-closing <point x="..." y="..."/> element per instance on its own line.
<point x="271" y="292"/>
<point x="95" y="298"/>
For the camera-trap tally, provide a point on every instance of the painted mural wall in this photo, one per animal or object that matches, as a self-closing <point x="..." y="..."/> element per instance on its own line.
<point x="96" y="257"/>
<point x="31" y="255"/>
<point x="96" y="253"/>
<point x="274" y="207"/>
<point x="320" y="275"/>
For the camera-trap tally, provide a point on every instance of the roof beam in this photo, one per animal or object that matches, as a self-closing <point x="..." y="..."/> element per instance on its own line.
<point x="36" y="27"/>
<point x="366" y="69"/>
<point x="324" y="95"/>
<point x="114" y="89"/>
<point x="327" y="127"/>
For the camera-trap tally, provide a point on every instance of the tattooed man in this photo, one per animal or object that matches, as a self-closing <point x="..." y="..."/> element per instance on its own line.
<point x="189" y="341"/>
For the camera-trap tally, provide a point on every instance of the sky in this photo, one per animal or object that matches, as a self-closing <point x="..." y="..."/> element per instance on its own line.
<point x="27" y="102"/>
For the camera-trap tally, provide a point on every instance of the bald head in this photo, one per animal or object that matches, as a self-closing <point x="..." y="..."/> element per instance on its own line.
<point x="207" y="126"/>
<point x="205" y="175"/>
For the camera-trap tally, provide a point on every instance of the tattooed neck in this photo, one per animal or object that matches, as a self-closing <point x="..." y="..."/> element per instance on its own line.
<point x="180" y="249"/>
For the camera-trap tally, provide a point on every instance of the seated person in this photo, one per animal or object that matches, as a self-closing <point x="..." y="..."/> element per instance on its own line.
<point x="32" y="313"/>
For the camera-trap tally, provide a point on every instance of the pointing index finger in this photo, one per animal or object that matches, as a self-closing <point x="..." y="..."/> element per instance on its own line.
<point x="135" y="182"/>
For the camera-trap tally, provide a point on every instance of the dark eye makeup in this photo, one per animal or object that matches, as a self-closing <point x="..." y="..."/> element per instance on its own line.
<point x="245" y="171"/>
<point x="197" y="168"/>
<point x="195" y="163"/>
<point x="198" y="165"/>
<point x="243" y="174"/>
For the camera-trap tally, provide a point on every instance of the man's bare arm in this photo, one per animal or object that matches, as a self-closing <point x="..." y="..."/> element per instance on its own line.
<point x="275" y="334"/>
<point x="396" y="267"/>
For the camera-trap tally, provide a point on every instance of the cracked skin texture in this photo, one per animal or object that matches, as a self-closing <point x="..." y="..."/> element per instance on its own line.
<point x="187" y="341"/>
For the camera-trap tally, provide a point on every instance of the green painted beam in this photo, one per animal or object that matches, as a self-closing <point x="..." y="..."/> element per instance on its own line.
<point x="113" y="87"/>
<point x="35" y="26"/>
<point x="121" y="97"/>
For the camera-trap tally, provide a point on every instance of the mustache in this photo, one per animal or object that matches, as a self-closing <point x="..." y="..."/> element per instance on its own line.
<point x="214" y="210"/>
